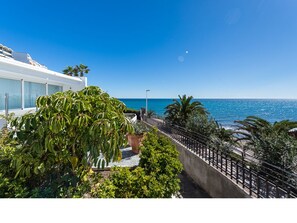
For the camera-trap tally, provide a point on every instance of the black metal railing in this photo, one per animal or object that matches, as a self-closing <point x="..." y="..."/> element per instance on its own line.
<point x="264" y="181"/>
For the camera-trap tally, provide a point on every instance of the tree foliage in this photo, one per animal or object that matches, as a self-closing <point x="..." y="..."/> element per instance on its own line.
<point x="180" y="110"/>
<point x="55" y="147"/>
<point x="270" y="142"/>
<point x="77" y="70"/>
<point x="211" y="132"/>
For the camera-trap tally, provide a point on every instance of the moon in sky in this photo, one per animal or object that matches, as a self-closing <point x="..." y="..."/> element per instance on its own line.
<point x="187" y="51"/>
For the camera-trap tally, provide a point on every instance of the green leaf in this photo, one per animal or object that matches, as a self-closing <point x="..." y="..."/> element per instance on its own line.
<point x="73" y="161"/>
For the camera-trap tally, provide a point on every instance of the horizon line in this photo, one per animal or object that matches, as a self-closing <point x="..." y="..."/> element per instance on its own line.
<point x="217" y="98"/>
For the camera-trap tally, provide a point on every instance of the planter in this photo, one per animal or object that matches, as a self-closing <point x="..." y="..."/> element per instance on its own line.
<point x="135" y="142"/>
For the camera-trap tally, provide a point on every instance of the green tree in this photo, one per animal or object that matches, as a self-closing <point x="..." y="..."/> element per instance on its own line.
<point x="57" y="145"/>
<point x="69" y="71"/>
<point x="180" y="110"/>
<point x="270" y="142"/>
<point x="82" y="69"/>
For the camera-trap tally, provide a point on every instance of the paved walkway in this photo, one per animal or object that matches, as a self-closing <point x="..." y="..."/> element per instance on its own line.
<point x="129" y="159"/>
<point x="189" y="189"/>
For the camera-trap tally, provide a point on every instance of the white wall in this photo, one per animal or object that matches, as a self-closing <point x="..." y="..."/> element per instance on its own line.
<point x="15" y="70"/>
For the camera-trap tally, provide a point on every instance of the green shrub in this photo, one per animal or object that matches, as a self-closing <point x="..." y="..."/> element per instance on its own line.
<point x="156" y="176"/>
<point x="214" y="135"/>
<point x="124" y="183"/>
<point x="53" y="149"/>
<point x="201" y="124"/>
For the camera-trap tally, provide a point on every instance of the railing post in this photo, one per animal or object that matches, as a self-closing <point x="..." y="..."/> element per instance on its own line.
<point x="203" y="152"/>
<point x="196" y="147"/>
<point x="276" y="189"/>
<point x="231" y="168"/>
<point x="226" y="165"/>
<point x="258" y="185"/>
<point x="243" y="172"/>
<point x="212" y="152"/>
<point x="221" y="161"/>
<point x="208" y="155"/>
<point x="288" y="192"/>
<point x="237" y="171"/>
<point x="267" y="186"/>
<point x="251" y="181"/>
<point x="217" y="159"/>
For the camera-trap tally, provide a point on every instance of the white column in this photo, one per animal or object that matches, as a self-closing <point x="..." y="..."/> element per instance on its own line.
<point x="23" y="93"/>
<point x="46" y="88"/>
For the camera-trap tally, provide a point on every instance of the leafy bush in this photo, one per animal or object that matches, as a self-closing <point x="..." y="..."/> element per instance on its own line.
<point x="201" y="124"/>
<point x="214" y="135"/>
<point x="55" y="147"/>
<point x="156" y="176"/>
<point x="159" y="158"/>
<point x="278" y="149"/>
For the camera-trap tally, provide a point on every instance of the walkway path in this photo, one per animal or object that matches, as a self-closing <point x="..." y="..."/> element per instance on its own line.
<point x="189" y="189"/>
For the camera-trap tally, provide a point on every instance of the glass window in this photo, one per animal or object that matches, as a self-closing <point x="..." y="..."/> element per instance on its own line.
<point x="54" y="88"/>
<point x="32" y="92"/>
<point x="14" y="90"/>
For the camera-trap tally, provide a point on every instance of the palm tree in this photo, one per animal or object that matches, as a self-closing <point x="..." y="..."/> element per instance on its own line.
<point x="77" y="70"/>
<point x="68" y="71"/>
<point x="270" y="142"/>
<point x="252" y="128"/>
<point x="82" y="69"/>
<point x="178" y="112"/>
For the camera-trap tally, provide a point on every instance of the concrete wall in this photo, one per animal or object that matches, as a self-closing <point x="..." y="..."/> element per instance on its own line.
<point x="216" y="184"/>
<point x="211" y="180"/>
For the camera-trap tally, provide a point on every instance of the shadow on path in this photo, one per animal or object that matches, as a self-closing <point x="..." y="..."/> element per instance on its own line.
<point x="189" y="189"/>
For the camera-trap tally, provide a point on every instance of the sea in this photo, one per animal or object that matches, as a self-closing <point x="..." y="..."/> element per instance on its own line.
<point x="226" y="111"/>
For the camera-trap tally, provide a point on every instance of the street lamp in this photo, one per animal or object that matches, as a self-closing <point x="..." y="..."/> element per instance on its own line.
<point x="146" y="102"/>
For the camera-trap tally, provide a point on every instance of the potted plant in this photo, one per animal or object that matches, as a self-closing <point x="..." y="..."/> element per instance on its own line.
<point x="136" y="138"/>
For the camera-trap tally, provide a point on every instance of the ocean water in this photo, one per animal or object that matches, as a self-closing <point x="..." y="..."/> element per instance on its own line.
<point x="226" y="111"/>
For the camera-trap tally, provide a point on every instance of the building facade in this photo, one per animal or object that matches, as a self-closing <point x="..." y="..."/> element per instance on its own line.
<point x="21" y="82"/>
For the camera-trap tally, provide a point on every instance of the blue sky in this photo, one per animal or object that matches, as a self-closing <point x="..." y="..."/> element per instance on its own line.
<point x="208" y="49"/>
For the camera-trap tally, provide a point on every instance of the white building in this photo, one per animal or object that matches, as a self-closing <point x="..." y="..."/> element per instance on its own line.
<point x="22" y="80"/>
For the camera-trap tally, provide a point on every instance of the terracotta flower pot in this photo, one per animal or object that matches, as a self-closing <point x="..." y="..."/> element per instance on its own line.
<point x="135" y="141"/>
